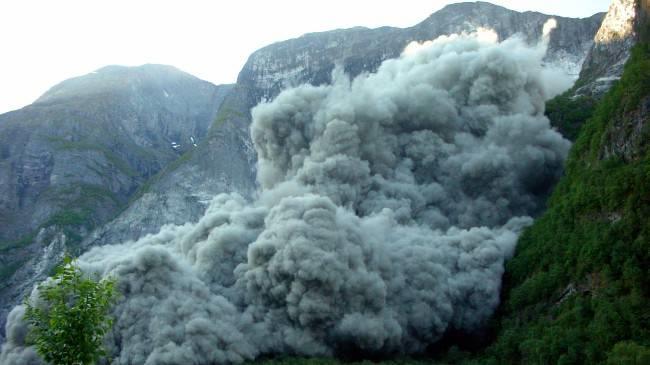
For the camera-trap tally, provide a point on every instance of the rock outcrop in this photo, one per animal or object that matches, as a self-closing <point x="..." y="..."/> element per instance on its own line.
<point x="611" y="49"/>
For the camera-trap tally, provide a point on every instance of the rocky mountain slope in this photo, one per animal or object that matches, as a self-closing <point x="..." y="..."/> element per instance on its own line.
<point x="603" y="66"/>
<point x="73" y="159"/>
<point x="223" y="162"/>
<point x="97" y="138"/>
<point x="311" y="59"/>
<point x="154" y="165"/>
<point x="611" y="49"/>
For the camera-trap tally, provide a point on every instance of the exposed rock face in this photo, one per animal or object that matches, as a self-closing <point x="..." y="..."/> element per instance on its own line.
<point x="73" y="159"/>
<point x="627" y="137"/>
<point x="611" y="49"/>
<point x="95" y="139"/>
<point x="311" y="58"/>
<point x="223" y="162"/>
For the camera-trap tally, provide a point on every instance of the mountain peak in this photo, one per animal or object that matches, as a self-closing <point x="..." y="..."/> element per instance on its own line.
<point x="619" y="23"/>
<point x="117" y="79"/>
<point x="470" y="6"/>
<point x="147" y="67"/>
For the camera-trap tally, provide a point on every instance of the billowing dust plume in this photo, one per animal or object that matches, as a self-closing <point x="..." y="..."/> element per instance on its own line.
<point x="387" y="208"/>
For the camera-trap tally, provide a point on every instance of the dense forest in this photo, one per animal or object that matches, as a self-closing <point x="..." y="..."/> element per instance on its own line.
<point x="577" y="290"/>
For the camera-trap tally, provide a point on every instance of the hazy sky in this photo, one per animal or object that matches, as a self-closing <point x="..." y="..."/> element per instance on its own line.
<point x="45" y="42"/>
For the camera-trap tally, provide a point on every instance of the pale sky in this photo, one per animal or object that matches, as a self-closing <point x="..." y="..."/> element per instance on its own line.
<point x="45" y="42"/>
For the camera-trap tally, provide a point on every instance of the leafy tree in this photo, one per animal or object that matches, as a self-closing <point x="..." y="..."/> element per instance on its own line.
<point x="69" y="326"/>
<point x="628" y="353"/>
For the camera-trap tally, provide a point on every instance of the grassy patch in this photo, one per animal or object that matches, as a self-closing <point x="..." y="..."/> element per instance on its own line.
<point x="225" y="113"/>
<point x="21" y="242"/>
<point x="111" y="157"/>
<point x="6" y="271"/>
<point x="69" y="217"/>
<point x="149" y="183"/>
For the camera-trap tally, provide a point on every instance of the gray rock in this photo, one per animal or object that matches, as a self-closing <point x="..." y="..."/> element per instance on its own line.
<point x="223" y="162"/>
<point x="94" y="139"/>
<point x="73" y="159"/>
<point x="611" y="49"/>
<point x="311" y="58"/>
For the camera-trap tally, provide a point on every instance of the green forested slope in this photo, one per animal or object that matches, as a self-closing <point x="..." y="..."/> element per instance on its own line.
<point x="578" y="289"/>
<point x="568" y="113"/>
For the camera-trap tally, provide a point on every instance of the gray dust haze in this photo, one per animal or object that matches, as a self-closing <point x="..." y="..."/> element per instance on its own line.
<point x="388" y="206"/>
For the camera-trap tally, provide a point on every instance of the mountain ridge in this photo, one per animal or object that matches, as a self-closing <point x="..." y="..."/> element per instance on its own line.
<point x="115" y="74"/>
<point x="254" y="94"/>
<point x="311" y="57"/>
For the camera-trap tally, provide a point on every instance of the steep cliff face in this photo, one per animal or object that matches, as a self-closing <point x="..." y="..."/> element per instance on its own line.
<point x="621" y="29"/>
<point x="627" y="137"/>
<point x="311" y="58"/>
<point x="223" y="162"/>
<point x="611" y="48"/>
